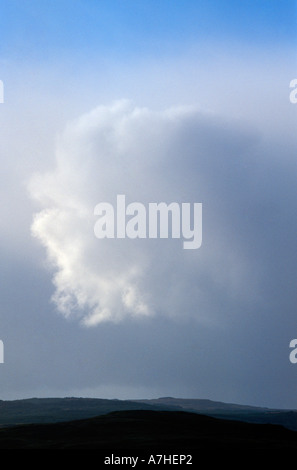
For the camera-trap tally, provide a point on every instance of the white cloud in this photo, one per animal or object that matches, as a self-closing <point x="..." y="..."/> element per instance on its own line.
<point x="179" y="155"/>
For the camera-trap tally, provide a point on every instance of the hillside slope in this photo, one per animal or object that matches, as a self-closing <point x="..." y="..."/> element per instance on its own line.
<point x="153" y="431"/>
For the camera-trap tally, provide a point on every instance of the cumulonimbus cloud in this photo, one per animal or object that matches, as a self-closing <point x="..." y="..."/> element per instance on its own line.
<point x="179" y="155"/>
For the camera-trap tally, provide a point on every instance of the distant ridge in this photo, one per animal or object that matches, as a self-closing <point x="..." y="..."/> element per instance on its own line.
<point x="55" y="410"/>
<point x="52" y="410"/>
<point x="232" y="411"/>
<point x="200" y="404"/>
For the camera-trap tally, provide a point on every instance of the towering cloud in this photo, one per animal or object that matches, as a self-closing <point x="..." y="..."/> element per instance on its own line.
<point x="180" y="155"/>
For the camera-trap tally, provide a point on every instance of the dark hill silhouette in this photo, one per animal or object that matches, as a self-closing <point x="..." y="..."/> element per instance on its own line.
<point x="200" y="404"/>
<point x="151" y="431"/>
<point x="53" y="410"/>
<point x="247" y="413"/>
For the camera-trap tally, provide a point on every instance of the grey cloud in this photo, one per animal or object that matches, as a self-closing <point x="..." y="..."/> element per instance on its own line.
<point x="181" y="155"/>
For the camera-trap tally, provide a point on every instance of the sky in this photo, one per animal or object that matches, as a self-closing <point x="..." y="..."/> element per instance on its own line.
<point x="159" y="101"/>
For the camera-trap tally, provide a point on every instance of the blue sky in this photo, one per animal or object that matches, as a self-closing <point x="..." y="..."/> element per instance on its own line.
<point x="40" y="29"/>
<point x="159" y="100"/>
